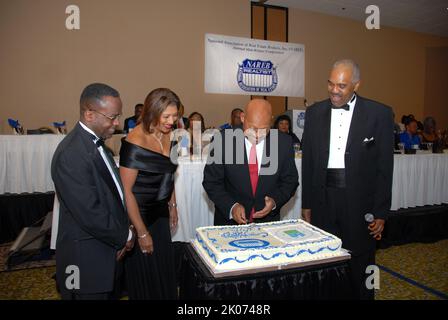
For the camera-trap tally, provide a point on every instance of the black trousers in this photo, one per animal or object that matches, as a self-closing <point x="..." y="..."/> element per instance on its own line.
<point x="112" y="295"/>
<point x="334" y="219"/>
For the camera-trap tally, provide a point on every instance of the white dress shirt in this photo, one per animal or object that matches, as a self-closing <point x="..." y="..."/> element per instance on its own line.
<point x="340" y="127"/>
<point x="103" y="155"/>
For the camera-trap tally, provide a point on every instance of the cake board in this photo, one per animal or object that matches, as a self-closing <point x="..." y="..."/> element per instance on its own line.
<point x="345" y="255"/>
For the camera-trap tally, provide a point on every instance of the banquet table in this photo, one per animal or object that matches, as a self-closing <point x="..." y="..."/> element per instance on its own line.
<point x="418" y="180"/>
<point x="25" y="167"/>
<point x="25" y="162"/>
<point x="318" y="282"/>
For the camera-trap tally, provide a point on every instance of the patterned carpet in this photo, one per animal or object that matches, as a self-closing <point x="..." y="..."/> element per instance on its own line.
<point x="43" y="260"/>
<point x="415" y="271"/>
<point x="425" y="264"/>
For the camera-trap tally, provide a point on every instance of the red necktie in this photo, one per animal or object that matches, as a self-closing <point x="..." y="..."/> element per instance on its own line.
<point x="253" y="173"/>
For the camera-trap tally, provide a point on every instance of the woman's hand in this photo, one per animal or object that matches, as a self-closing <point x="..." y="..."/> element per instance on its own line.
<point x="173" y="218"/>
<point x="145" y="243"/>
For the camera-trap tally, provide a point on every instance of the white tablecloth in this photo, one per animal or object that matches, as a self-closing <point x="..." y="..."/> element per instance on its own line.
<point x="418" y="180"/>
<point x="195" y="208"/>
<point x="25" y="162"/>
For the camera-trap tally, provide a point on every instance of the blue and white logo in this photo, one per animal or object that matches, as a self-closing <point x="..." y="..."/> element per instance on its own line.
<point x="301" y="120"/>
<point x="257" y="76"/>
<point x="249" y="243"/>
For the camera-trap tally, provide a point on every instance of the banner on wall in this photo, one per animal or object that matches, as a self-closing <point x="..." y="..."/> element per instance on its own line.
<point x="297" y="117"/>
<point x="236" y="65"/>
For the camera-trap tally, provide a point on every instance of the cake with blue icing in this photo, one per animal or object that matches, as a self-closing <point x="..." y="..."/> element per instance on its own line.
<point x="242" y="247"/>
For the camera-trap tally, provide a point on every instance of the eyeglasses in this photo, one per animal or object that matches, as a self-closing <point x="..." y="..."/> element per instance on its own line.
<point x="112" y="118"/>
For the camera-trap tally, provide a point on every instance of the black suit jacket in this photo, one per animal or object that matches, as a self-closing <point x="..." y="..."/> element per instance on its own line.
<point x="93" y="224"/>
<point x="368" y="166"/>
<point x="227" y="184"/>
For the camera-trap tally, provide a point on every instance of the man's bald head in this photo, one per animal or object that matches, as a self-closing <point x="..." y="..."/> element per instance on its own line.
<point x="257" y="118"/>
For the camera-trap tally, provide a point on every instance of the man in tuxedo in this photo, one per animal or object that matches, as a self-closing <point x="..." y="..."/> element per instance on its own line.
<point x="94" y="230"/>
<point x="347" y="166"/>
<point x="250" y="175"/>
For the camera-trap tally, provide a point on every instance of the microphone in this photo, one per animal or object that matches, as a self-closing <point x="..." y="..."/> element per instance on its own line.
<point x="369" y="219"/>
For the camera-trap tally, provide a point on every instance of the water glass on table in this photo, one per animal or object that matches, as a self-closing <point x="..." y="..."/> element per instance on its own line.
<point x="401" y="147"/>
<point x="296" y="149"/>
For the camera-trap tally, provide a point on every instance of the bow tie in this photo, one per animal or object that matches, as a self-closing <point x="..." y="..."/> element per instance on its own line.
<point x="346" y="107"/>
<point x="100" y="143"/>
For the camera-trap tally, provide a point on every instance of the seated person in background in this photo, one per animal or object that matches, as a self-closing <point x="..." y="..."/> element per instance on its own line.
<point x="196" y="142"/>
<point x="283" y="124"/>
<point x="235" y="120"/>
<point x="397" y="131"/>
<point x="432" y="135"/>
<point x="405" y="119"/>
<point x="410" y="137"/>
<point x="429" y="130"/>
<point x="131" y="122"/>
<point x="195" y="116"/>
<point x="182" y="121"/>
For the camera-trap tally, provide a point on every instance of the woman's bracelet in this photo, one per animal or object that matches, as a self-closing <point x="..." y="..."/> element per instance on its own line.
<point x="172" y="205"/>
<point x="143" y="235"/>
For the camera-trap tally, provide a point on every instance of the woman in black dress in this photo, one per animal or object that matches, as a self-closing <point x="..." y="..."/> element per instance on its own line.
<point x="147" y="174"/>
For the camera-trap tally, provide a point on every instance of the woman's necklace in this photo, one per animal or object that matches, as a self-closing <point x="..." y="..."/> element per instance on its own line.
<point x="159" y="140"/>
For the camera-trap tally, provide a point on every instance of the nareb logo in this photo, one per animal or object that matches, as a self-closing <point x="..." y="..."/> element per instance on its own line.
<point x="257" y="76"/>
<point x="249" y="243"/>
<point x="301" y="120"/>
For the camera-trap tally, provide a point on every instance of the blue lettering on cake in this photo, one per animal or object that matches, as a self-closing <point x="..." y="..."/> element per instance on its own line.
<point x="243" y="234"/>
<point x="249" y="243"/>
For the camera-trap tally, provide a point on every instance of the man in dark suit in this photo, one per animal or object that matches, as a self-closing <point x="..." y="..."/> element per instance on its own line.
<point x="250" y="175"/>
<point x="347" y="166"/>
<point x="131" y="122"/>
<point x="235" y="120"/>
<point x="94" y="231"/>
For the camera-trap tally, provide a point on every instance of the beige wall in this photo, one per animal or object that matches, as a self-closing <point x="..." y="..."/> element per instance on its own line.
<point x="135" y="46"/>
<point x="392" y="61"/>
<point x="139" y="45"/>
<point x="436" y="85"/>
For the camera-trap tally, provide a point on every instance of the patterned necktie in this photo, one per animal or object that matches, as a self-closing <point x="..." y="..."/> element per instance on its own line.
<point x="253" y="173"/>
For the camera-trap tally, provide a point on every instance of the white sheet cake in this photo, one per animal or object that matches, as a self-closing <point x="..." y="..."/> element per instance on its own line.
<point x="233" y="248"/>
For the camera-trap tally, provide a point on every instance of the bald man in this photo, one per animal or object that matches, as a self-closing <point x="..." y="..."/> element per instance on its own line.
<point x="251" y="172"/>
<point x="347" y="165"/>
